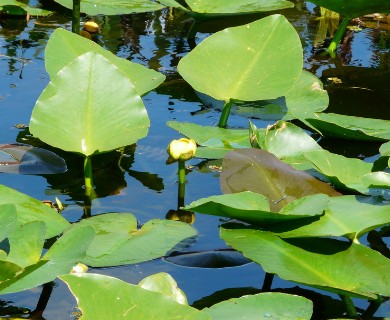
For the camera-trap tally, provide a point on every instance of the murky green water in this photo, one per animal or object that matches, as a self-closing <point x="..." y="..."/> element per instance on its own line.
<point x="147" y="188"/>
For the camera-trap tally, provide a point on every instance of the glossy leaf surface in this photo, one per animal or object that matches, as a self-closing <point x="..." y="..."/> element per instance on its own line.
<point x="262" y="306"/>
<point x="102" y="106"/>
<point x="332" y="265"/>
<point x="24" y="159"/>
<point x="261" y="172"/>
<point x="9" y="5"/>
<point x="103" y="297"/>
<point x="212" y="67"/>
<point x="29" y="209"/>
<point x="64" y="46"/>
<point x="118" y="241"/>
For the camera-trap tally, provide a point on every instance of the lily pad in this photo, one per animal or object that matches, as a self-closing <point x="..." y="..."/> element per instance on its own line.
<point x="100" y="296"/>
<point x="24" y="159"/>
<point x="64" y="46"/>
<point x="103" y="107"/>
<point x="212" y="66"/>
<point x="118" y="241"/>
<point x="261" y="172"/>
<point x="9" y="7"/>
<point x="29" y="209"/>
<point x="332" y="265"/>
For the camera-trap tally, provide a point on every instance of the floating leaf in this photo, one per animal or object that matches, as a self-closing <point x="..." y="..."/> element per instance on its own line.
<point x="103" y="297"/>
<point x="246" y="206"/>
<point x="348" y="216"/>
<point x="336" y="266"/>
<point x="350" y="127"/>
<point x="261" y="172"/>
<point x="113" y="7"/>
<point x="7" y="220"/>
<point x="262" y="306"/>
<point x="270" y="55"/>
<point x="164" y="283"/>
<point x="103" y="107"/>
<point x="14" y="7"/>
<point x="24" y="159"/>
<point x="118" y="241"/>
<point x="64" y="46"/>
<point x="29" y="209"/>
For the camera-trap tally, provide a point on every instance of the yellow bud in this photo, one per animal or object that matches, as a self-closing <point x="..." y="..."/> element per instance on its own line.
<point x="79" y="268"/>
<point x="182" y="149"/>
<point x="91" y="26"/>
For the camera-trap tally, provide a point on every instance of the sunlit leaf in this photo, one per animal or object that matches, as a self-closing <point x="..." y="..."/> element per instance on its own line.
<point x="102" y="106"/>
<point x="261" y="172"/>
<point x="212" y="66"/>
<point x="24" y="159"/>
<point x="7" y="220"/>
<point x="164" y="283"/>
<point x="64" y="46"/>
<point x="103" y="297"/>
<point x="262" y="306"/>
<point x="14" y="7"/>
<point x="118" y="241"/>
<point x="29" y="209"/>
<point x="336" y="266"/>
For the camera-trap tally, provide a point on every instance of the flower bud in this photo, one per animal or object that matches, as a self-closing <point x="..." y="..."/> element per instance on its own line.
<point x="91" y="26"/>
<point x="182" y="149"/>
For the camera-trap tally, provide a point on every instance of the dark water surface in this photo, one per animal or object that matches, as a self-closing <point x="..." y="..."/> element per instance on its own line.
<point x="148" y="187"/>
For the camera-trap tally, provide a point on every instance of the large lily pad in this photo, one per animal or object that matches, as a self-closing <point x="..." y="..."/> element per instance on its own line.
<point x="118" y="241"/>
<point x="270" y="55"/>
<point x="7" y="220"/>
<point x="350" y="127"/>
<point x="24" y="159"/>
<point x="349" y="216"/>
<point x="14" y="7"/>
<point x="103" y="297"/>
<point x="336" y="266"/>
<point x="262" y="306"/>
<point x="113" y="7"/>
<point x="261" y="172"/>
<point x="98" y="112"/>
<point x="64" y="46"/>
<point x="250" y="207"/>
<point x="29" y="209"/>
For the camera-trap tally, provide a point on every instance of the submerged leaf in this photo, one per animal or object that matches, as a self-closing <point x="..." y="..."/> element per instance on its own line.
<point x="261" y="172"/>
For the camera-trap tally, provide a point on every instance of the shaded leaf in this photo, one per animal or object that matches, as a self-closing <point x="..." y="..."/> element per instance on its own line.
<point x="24" y="159"/>
<point x="103" y="297"/>
<point x="212" y="68"/>
<point x="64" y="46"/>
<point x="261" y="172"/>
<point x="332" y="265"/>
<point x="103" y="107"/>
<point x="118" y="241"/>
<point x="29" y="209"/>
<point x="263" y="306"/>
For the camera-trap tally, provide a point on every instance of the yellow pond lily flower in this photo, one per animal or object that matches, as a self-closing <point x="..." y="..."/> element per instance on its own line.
<point x="182" y="149"/>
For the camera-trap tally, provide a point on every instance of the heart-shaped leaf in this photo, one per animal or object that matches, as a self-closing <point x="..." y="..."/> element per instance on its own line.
<point x="102" y="106"/>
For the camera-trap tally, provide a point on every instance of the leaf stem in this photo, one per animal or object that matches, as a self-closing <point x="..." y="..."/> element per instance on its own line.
<point x="225" y="114"/>
<point x="88" y="176"/>
<point x="182" y="183"/>
<point x="267" y="283"/>
<point x="339" y="34"/>
<point x="76" y="17"/>
<point x="351" y="310"/>
<point x="372" y="308"/>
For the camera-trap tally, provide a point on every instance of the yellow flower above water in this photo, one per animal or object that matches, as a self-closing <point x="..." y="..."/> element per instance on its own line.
<point x="182" y="149"/>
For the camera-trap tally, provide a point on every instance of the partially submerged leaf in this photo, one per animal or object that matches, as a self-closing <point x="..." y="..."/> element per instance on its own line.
<point x="103" y="297"/>
<point x="262" y="306"/>
<point x="212" y="66"/>
<point x="99" y="112"/>
<point x="261" y="172"/>
<point x="332" y="265"/>
<point x="24" y="159"/>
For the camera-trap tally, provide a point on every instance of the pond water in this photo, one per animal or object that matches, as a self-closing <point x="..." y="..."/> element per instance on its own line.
<point x="148" y="186"/>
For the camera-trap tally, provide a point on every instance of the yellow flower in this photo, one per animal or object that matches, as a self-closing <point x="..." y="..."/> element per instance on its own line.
<point x="91" y="26"/>
<point x="182" y="149"/>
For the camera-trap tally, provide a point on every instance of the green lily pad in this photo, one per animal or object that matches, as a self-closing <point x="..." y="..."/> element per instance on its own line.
<point x="104" y="297"/>
<point x="332" y="265"/>
<point x="262" y="306"/>
<point x="64" y="46"/>
<point x="113" y="7"/>
<point x="103" y="107"/>
<point x="212" y="67"/>
<point x="7" y="220"/>
<point x="261" y="172"/>
<point x="13" y="7"/>
<point x="29" y="209"/>
<point x="118" y="241"/>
